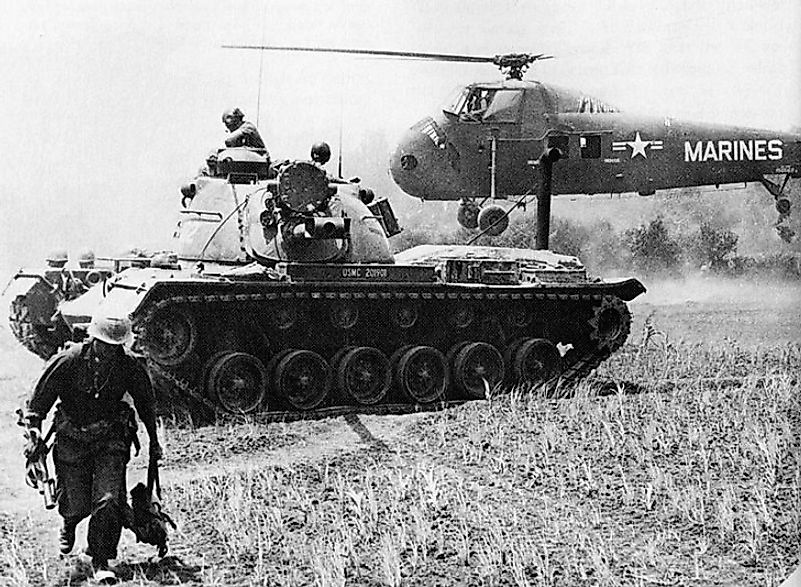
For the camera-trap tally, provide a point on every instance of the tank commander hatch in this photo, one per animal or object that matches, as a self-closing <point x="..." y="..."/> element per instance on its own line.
<point x="243" y="134"/>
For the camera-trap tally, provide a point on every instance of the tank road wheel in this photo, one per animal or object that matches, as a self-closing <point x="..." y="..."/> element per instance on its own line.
<point x="301" y="378"/>
<point x="493" y="220"/>
<point x="344" y="315"/>
<point x="404" y="315"/>
<point x="237" y="382"/>
<point x="284" y="316"/>
<point x="170" y="336"/>
<point x="472" y="364"/>
<point x="421" y="373"/>
<point x="534" y="360"/>
<point x="518" y="315"/>
<point x="467" y="216"/>
<point x="364" y="374"/>
<point x="611" y="323"/>
<point x="462" y="316"/>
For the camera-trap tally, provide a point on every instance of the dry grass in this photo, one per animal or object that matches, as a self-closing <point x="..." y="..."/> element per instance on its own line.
<point x="696" y="485"/>
<point x="695" y="481"/>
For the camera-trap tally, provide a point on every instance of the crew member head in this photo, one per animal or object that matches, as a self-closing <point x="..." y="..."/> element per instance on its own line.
<point x="320" y="153"/>
<point x="109" y="333"/>
<point x="232" y="119"/>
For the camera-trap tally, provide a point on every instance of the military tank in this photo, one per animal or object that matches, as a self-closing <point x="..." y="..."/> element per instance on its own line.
<point x="36" y="295"/>
<point x="284" y="297"/>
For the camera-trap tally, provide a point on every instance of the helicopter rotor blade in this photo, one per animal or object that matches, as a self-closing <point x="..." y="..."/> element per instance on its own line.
<point x="397" y="54"/>
<point x="400" y="54"/>
<point x="513" y="65"/>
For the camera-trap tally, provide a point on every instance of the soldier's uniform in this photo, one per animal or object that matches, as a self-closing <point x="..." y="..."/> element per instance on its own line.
<point x="247" y="135"/>
<point x="243" y="133"/>
<point x="94" y="432"/>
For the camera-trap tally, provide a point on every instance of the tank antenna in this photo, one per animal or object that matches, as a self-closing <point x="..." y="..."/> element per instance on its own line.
<point x="261" y="61"/>
<point x="339" y="148"/>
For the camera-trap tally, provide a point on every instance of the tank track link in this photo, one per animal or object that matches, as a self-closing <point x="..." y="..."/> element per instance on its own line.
<point x="171" y="380"/>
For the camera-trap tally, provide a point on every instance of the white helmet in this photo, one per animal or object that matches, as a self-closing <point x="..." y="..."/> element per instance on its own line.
<point x="110" y="329"/>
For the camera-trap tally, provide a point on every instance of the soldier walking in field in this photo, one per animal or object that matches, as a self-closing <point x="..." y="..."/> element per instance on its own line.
<point x="94" y="430"/>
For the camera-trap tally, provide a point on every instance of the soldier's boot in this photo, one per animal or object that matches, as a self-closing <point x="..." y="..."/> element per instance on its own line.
<point x="103" y="575"/>
<point x="66" y="538"/>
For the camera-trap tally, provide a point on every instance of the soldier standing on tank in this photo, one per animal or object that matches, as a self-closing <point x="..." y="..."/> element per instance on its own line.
<point x="243" y="133"/>
<point x="94" y="430"/>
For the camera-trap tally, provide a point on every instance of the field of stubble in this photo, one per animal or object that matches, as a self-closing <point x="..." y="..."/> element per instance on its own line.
<point x="688" y="473"/>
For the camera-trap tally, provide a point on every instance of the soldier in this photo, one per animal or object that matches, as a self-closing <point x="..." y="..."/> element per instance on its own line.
<point x="243" y="133"/>
<point x="94" y="431"/>
<point x="320" y="153"/>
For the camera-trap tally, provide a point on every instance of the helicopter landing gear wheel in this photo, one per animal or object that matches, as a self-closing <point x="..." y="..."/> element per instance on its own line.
<point x="363" y="373"/>
<point x="493" y="220"/>
<point x="420" y="373"/>
<point x="237" y="382"/>
<point x="467" y="216"/>
<point x="610" y="324"/>
<point x="534" y="360"/>
<point x="170" y="336"/>
<point x="301" y="378"/>
<point x="473" y="364"/>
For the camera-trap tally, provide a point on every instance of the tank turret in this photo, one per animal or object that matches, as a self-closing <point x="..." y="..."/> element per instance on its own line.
<point x="293" y="212"/>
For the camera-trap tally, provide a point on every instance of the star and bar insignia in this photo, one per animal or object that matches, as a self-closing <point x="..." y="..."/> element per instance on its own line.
<point x="638" y="146"/>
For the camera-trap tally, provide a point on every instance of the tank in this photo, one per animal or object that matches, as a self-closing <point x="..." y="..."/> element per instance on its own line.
<point x="285" y="298"/>
<point x="36" y="294"/>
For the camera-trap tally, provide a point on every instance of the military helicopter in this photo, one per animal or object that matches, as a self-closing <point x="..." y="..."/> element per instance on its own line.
<point x="486" y="143"/>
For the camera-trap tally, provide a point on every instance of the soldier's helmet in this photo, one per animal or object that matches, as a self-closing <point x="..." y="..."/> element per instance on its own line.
<point x="57" y="258"/>
<point x="110" y="329"/>
<point x="232" y="113"/>
<point x="86" y="259"/>
<point x="320" y="153"/>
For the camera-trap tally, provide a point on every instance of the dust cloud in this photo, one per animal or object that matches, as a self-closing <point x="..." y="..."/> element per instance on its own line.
<point x="745" y="312"/>
<point x="744" y="291"/>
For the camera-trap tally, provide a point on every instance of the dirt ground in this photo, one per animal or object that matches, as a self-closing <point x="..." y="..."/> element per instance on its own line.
<point x="699" y="311"/>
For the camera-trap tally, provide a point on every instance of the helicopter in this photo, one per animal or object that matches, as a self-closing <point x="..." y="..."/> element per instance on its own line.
<point x="486" y="142"/>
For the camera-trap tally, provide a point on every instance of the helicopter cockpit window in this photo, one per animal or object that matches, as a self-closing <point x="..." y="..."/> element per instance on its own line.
<point x="456" y="101"/>
<point x="477" y="103"/>
<point x="492" y="105"/>
<point x="505" y="106"/>
<point x="591" y="146"/>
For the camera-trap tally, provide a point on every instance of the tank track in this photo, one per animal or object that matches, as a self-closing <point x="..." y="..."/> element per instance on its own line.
<point x="184" y="380"/>
<point x="41" y="340"/>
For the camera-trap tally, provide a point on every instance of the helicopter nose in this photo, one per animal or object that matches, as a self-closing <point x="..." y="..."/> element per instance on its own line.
<point x="419" y="164"/>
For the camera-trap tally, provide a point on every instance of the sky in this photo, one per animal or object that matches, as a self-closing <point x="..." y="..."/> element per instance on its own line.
<point x="107" y="107"/>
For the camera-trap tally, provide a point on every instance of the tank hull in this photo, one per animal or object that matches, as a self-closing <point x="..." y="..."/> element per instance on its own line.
<point x="313" y="339"/>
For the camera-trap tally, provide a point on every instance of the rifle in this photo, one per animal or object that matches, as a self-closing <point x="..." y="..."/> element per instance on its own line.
<point x="37" y="474"/>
